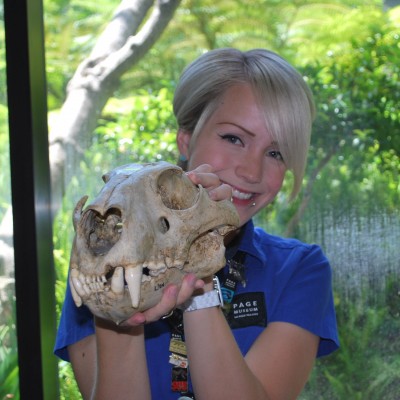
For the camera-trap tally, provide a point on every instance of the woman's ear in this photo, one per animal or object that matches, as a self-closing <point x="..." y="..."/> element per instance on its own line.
<point x="183" y="140"/>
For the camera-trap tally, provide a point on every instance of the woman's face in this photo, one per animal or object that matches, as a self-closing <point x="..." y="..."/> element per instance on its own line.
<point x="237" y="144"/>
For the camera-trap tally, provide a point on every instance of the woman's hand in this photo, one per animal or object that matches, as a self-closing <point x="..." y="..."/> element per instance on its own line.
<point x="203" y="175"/>
<point x="173" y="296"/>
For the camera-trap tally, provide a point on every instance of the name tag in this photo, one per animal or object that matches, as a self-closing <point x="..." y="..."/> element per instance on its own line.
<point x="247" y="309"/>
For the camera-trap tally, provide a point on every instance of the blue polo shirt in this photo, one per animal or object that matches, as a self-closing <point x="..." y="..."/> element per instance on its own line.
<point x="288" y="279"/>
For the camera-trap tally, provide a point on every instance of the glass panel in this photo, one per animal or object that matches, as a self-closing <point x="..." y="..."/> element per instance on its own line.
<point x="8" y="340"/>
<point x="350" y="206"/>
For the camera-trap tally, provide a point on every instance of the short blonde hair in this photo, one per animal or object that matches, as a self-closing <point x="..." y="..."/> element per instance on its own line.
<point x="281" y="90"/>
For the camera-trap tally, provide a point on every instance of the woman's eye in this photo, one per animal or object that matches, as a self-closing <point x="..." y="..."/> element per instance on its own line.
<point x="276" y="154"/>
<point x="231" y="139"/>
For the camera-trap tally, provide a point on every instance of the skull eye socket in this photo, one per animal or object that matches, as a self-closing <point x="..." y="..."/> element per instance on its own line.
<point x="103" y="231"/>
<point x="177" y="191"/>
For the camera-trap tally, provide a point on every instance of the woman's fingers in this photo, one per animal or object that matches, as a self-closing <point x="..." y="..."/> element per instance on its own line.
<point x="204" y="176"/>
<point x="173" y="295"/>
<point x="190" y="283"/>
<point x="221" y="192"/>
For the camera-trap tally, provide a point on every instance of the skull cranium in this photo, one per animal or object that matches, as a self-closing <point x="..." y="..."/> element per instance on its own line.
<point x="148" y="227"/>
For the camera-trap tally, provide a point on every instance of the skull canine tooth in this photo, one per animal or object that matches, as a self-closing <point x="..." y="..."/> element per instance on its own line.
<point x="133" y="277"/>
<point x="117" y="281"/>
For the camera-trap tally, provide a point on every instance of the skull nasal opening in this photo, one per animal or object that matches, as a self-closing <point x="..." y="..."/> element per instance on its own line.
<point x="177" y="191"/>
<point x="163" y="225"/>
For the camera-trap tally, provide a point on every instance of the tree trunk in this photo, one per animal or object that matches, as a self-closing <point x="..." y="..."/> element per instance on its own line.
<point x="118" y="48"/>
<point x="296" y="218"/>
<point x="387" y="4"/>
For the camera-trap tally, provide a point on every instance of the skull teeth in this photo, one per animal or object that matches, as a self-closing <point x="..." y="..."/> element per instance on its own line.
<point x="157" y="271"/>
<point x="223" y="230"/>
<point x="83" y="286"/>
<point x="117" y="281"/>
<point x="76" y="287"/>
<point x="133" y="277"/>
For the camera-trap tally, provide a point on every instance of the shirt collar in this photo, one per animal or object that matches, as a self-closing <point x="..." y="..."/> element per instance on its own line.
<point x="246" y="243"/>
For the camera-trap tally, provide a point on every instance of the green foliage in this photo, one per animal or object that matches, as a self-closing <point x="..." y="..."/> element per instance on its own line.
<point x="358" y="97"/>
<point x="137" y="129"/>
<point x="68" y="386"/>
<point x="9" y="388"/>
<point x="367" y="364"/>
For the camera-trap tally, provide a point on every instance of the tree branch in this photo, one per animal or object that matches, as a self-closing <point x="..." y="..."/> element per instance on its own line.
<point x="294" y="221"/>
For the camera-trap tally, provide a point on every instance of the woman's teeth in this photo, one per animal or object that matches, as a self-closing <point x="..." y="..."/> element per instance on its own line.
<point x="241" y="195"/>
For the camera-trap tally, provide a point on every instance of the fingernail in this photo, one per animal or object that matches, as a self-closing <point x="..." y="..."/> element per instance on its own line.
<point x="199" y="284"/>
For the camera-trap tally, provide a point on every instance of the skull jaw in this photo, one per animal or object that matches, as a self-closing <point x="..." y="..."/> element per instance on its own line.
<point x="118" y="307"/>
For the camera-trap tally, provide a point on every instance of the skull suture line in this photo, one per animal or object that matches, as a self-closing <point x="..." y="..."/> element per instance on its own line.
<point x="148" y="226"/>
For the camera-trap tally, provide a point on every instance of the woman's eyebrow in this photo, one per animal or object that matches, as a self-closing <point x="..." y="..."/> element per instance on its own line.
<point x="238" y="126"/>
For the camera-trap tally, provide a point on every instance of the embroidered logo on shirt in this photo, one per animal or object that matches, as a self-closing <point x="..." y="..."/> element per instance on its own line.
<point x="247" y="309"/>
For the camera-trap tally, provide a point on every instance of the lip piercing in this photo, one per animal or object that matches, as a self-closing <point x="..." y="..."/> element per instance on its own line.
<point x="253" y="204"/>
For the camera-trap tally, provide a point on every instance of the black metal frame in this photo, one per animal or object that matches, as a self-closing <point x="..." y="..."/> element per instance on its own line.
<point x="31" y="200"/>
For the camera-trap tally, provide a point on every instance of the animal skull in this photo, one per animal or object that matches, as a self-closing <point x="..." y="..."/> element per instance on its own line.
<point x="149" y="226"/>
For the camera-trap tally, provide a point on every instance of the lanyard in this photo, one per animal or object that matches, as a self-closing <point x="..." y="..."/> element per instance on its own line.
<point x="178" y="355"/>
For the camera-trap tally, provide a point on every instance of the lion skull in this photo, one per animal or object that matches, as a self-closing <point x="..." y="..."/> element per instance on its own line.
<point x="148" y="227"/>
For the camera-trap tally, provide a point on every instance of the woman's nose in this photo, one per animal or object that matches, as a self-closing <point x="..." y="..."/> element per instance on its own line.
<point x="250" y="169"/>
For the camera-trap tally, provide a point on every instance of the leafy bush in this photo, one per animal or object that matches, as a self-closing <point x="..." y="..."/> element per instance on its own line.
<point x="367" y="366"/>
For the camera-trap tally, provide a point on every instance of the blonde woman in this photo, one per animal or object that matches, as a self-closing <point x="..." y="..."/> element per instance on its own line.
<point x="244" y="121"/>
